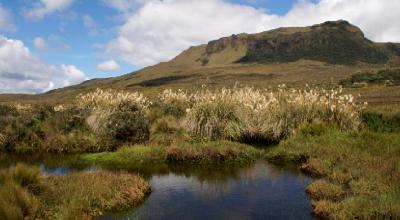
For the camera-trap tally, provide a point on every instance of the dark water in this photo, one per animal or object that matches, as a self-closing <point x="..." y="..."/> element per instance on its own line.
<point x="257" y="191"/>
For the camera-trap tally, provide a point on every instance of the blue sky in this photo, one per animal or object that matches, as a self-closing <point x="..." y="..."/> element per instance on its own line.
<point x="62" y="42"/>
<point x="69" y="41"/>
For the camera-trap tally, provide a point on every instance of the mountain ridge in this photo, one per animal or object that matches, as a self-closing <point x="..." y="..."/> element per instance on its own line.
<point x="317" y="54"/>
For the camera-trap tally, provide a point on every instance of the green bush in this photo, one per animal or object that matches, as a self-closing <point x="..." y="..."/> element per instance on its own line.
<point x="176" y="110"/>
<point x="75" y="142"/>
<point x="381" y="123"/>
<point x="391" y="76"/>
<point x="128" y="127"/>
<point x="315" y="129"/>
<point x="7" y="110"/>
<point x="69" y="120"/>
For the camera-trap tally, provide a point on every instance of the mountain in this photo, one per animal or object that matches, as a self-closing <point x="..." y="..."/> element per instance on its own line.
<point x="318" y="54"/>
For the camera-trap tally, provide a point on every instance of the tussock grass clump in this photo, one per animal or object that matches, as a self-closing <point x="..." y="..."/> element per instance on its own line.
<point x="25" y="194"/>
<point x="90" y="194"/>
<point x="110" y="99"/>
<point x="25" y="175"/>
<point x="321" y="189"/>
<point x="16" y="202"/>
<point x="167" y="124"/>
<point x="215" y="120"/>
<point x="269" y="115"/>
<point x="118" y="115"/>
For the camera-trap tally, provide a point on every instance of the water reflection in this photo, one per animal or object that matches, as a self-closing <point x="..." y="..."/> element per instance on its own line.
<point x="257" y="192"/>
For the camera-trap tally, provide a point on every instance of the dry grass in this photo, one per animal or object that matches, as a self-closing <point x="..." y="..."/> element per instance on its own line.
<point x="90" y="194"/>
<point x="267" y="114"/>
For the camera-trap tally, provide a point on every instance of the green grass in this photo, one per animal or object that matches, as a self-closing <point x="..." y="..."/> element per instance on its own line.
<point x="184" y="152"/>
<point x="360" y="171"/>
<point x="130" y="155"/>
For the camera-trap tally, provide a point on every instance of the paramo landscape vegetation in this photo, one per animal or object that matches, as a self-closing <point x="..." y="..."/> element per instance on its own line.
<point x="289" y="123"/>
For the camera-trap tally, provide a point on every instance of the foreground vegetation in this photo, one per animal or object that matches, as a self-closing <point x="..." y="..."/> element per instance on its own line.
<point x="359" y="171"/>
<point x="25" y="194"/>
<point x="352" y="151"/>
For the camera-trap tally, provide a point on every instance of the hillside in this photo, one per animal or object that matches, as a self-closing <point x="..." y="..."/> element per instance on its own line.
<point x="320" y="54"/>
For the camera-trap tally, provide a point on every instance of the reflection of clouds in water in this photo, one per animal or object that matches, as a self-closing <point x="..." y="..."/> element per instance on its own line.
<point x="63" y="170"/>
<point x="214" y="188"/>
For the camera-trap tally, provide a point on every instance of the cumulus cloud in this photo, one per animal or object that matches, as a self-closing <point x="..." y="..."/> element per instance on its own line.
<point x="47" y="7"/>
<point x="73" y="75"/>
<point x="6" y="20"/>
<point x="40" y="44"/>
<point x="21" y="72"/>
<point x="159" y="30"/>
<point x="109" y="65"/>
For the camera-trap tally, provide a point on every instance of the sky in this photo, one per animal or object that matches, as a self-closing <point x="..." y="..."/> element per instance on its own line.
<point x="48" y="44"/>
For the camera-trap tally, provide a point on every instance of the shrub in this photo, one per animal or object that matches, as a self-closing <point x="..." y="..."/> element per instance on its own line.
<point x="380" y="122"/>
<point x="128" y="127"/>
<point x="176" y="110"/>
<point x="68" y="120"/>
<point x="7" y="110"/>
<point x="387" y="76"/>
<point x="74" y="142"/>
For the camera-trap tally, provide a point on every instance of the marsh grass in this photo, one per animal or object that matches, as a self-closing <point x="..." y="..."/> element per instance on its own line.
<point x="25" y="175"/>
<point x="16" y="202"/>
<point x="363" y="166"/>
<point x="90" y="194"/>
<point x="25" y="194"/>
<point x="183" y="152"/>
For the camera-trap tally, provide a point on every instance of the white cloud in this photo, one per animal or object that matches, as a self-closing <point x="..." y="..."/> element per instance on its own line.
<point x="159" y="30"/>
<point x="73" y="74"/>
<point x="109" y="65"/>
<point x="124" y="5"/>
<point x="40" y="44"/>
<point x="47" y="7"/>
<point x="21" y="72"/>
<point x="6" y="20"/>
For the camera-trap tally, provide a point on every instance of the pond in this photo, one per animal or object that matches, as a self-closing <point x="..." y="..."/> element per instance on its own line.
<point x="256" y="191"/>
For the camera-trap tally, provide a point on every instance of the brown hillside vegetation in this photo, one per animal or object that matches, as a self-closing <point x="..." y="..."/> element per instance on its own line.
<point x="320" y="55"/>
